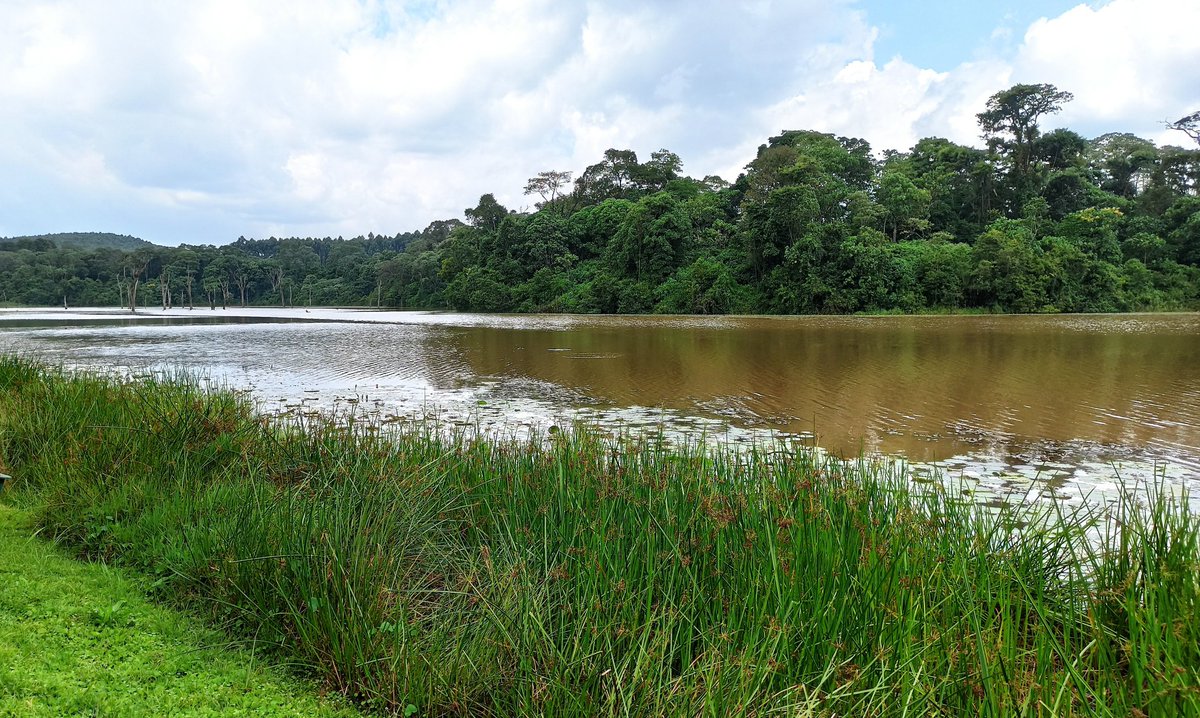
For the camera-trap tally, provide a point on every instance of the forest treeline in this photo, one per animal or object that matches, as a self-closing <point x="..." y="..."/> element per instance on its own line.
<point x="1034" y="222"/>
<point x="80" y="240"/>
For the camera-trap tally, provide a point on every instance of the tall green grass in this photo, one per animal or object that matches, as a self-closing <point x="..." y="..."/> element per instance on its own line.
<point x="583" y="575"/>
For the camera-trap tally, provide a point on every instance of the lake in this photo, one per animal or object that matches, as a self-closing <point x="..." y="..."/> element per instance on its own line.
<point x="1026" y="405"/>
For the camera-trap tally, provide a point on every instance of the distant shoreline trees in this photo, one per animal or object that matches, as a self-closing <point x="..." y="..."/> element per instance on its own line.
<point x="1035" y="222"/>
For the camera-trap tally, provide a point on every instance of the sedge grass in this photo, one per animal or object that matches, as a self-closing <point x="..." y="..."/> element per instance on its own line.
<point x="584" y="575"/>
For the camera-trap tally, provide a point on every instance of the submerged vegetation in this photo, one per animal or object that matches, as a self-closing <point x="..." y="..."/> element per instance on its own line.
<point x="584" y="575"/>
<point x="817" y="223"/>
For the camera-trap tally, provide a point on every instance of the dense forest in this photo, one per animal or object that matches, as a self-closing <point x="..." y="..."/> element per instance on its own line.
<point x="79" y="240"/>
<point x="1034" y="222"/>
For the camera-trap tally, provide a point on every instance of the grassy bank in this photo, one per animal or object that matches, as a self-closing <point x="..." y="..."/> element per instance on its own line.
<point x="589" y="576"/>
<point x="80" y="639"/>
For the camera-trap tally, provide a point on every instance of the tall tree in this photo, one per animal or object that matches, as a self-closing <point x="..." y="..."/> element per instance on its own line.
<point x="1010" y="126"/>
<point x="187" y="265"/>
<point x="137" y="265"/>
<point x="487" y="214"/>
<point x="656" y="173"/>
<point x="548" y="185"/>
<point x="1123" y="162"/>
<point x="1188" y="125"/>
<point x="906" y="205"/>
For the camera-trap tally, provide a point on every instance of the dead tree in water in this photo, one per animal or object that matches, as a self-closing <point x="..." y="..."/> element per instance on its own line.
<point x="164" y="287"/>
<point x="136" y="270"/>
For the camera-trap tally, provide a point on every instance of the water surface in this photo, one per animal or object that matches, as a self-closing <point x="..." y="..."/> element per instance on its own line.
<point x="1057" y="403"/>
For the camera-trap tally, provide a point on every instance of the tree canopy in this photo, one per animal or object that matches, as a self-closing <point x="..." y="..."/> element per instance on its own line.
<point x="1037" y="221"/>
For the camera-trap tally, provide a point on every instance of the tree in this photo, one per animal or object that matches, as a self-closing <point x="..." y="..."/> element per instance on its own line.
<point x="543" y="244"/>
<point x="297" y="260"/>
<point x="1010" y="126"/>
<point x="905" y="204"/>
<point x="488" y="214"/>
<point x="187" y="265"/>
<point x="592" y="228"/>
<point x="1179" y="170"/>
<point x="651" y="240"/>
<point x="1123" y="162"/>
<point x="1188" y="125"/>
<point x="164" y="285"/>
<point x="479" y="289"/>
<point x="210" y="285"/>
<point x="611" y="178"/>
<point x="137" y="265"/>
<point x="846" y="159"/>
<point x="1182" y="221"/>
<point x="655" y="174"/>
<point x="278" y="279"/>
<point x="548" y="185"/>
<point x="1094" y="231"/>
<point x="958" y="179"/>
<point x="1011" y="272"/>
<point x="243" y="270"/>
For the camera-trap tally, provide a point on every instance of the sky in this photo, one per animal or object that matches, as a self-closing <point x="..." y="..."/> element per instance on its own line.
<point x="199" y="121"/>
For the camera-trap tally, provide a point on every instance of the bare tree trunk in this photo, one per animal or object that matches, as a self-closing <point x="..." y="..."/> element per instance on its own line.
<point x="277" y="285"/>
<point x="242" y="282"/>
<point x="136" y="280"/>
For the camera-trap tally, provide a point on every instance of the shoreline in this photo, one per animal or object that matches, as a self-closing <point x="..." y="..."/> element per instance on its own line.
<point x="151" y="310"/>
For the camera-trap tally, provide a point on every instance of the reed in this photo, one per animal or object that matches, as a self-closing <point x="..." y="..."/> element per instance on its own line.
<point x="578" y="574"/>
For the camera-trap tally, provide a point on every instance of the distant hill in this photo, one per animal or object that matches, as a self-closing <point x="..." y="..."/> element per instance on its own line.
<point x="85" y="240"/>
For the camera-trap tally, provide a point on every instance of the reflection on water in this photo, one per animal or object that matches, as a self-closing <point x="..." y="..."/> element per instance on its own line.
<point x="994" y="399"/>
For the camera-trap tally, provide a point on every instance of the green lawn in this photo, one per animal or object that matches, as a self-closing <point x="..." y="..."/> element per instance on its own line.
<point x="80" y="639"/>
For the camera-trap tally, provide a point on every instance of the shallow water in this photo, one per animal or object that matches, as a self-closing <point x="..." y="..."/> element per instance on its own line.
<point x="1028" y="405"/>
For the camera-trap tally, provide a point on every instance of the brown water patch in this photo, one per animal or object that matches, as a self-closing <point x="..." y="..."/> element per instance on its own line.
<point x="926" y="387"/>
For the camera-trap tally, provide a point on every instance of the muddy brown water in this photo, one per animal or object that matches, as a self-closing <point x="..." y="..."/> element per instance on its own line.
<point x="993" y="393"/>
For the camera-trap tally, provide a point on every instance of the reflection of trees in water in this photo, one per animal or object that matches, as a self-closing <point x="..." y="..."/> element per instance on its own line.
<point x="904" y="384"/>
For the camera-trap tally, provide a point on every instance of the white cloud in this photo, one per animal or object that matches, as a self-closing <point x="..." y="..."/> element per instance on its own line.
<point x="208" y="119"/>
<point x="892" y="106"/>
<point x="1130" y="63"/>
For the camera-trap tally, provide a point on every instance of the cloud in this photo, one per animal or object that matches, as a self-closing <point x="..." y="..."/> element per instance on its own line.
<point x="210" y="119"/>
<point x="337" y="116"/>
<point x="1130" y="63"/>
<point x="892" y="106"/>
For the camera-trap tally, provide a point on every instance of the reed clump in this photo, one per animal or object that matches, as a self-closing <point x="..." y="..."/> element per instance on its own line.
<point x="584" y="575"/>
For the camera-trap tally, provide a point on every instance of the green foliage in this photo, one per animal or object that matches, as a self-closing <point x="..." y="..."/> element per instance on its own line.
<point x="1011" y="269"/>
<point x="591" y="228"/>
<point x="814" y="224"/>
<point x="79" y="240"/>
<point x="81" y="639"/>
<point x="579" y="575"/>
<point x="703" y="287"/>
<point x="479" y="289"/>
<point x="1010" y="124"/>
